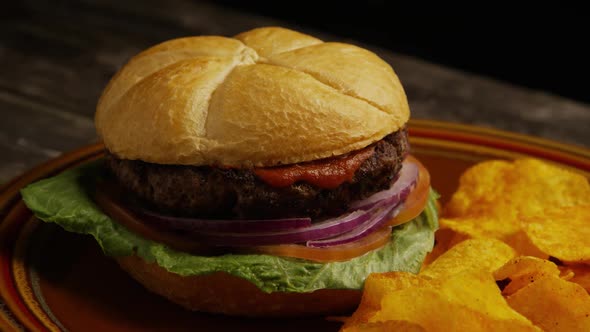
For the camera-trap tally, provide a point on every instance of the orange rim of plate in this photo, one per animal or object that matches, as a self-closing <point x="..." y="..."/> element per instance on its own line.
<point x="18" y="308"/>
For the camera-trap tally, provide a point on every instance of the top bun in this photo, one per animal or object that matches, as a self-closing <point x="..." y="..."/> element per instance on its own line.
<point x="266" y="97"/>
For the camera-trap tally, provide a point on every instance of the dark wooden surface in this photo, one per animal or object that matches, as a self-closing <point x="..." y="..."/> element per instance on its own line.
<point x="56" y="57"/>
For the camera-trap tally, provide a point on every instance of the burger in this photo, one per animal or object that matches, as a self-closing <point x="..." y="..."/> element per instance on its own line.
<point x="262" y="175"/>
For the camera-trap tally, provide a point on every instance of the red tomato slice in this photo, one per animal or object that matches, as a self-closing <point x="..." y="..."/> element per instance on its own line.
<point x="341" y="252"/>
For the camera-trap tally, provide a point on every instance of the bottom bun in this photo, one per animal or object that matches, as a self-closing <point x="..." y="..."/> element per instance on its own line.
<point x="223" y="293"/>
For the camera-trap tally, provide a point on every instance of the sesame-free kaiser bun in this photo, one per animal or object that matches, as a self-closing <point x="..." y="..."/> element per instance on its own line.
<point x="268" y="96"/>
<point x="262" y="175"/>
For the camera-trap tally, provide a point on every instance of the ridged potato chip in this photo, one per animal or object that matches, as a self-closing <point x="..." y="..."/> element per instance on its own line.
<point x="468" y="301"/>
<point x="481" y="226"/>
<point x="581" y="274"/>
<point x="562" y="232"/>
<point x="553" y="304"/>
<point x="445" y="239"/>
<point x="523" y="246"/>
<point x="377" y="285"/>
<point x="473" y="254"/>
<point x="523" y="270"/>
<point x="492" y="196"/>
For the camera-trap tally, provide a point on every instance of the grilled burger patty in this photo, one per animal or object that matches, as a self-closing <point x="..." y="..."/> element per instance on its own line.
<point x="213" y="192"/>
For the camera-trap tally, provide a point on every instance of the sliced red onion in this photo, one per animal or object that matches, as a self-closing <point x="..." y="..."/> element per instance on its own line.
<point x="367" y="216"/>
<point x="408" y="177"/>
<point x="216" y="225"/>
<point x="325" y="229"/>
<point x="380" y="215"/>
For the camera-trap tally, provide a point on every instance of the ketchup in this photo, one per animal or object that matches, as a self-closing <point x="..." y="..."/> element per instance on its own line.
<point x="326" y="173"/>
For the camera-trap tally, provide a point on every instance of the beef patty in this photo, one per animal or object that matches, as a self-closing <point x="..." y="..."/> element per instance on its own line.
<point x="213" y="192"/>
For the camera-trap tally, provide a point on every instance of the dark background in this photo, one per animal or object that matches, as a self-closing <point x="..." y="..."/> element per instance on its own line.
<point x="538" y="47"/>
<point x="541" y="48"/>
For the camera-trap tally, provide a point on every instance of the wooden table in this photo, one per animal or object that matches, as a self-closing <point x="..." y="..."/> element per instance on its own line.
<point x="55" y="59"/>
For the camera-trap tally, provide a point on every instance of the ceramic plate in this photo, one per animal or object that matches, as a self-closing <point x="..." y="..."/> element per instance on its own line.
<point x="51" y="280"/>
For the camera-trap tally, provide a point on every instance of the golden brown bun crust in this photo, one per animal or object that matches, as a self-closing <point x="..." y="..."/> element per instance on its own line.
<point x="223" y="293"/>
<point x="268" y="96"/>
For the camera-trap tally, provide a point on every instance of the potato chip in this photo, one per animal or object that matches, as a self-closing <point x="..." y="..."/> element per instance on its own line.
<point x="562" y="232"/>
<point x="523" y="246"/>
<point x="524" y="265"/>
<point x="376" y="286"/>
<point x="435" y="304"/>
<point x="480" y="227"/>
<point x="445" y="239"/>
<point x="473" y="254"/>
<point x="390" y="325"/>
<point x="481" y="190"/>
<point x="468" y="301"/>
<point x="523" y="270"/>
<point x="492" y="195"/>
<point x="581" y="274"/>
<point x="383" y="282"/>
<point x="554" y="304"/>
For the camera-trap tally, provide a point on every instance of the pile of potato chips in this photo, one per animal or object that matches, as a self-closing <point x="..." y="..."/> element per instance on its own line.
<point x="512" y="254"/>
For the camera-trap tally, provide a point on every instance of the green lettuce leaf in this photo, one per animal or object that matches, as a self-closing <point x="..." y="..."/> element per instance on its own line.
<point x="66" y="200"/>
